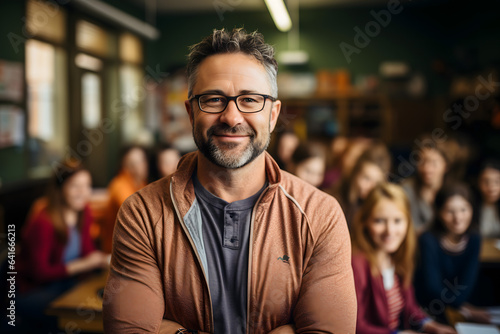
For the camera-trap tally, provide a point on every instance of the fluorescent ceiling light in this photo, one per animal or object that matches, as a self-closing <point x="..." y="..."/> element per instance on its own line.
<point x="279" y="14"/>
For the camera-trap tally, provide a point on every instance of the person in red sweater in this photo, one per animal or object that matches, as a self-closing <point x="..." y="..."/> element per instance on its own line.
<point x="383" y="263"/>
<point x="55" y="243"/>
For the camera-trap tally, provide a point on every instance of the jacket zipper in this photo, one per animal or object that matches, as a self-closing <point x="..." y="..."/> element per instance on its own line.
<point x="196" y="253"/>
<point x="250" y="259"/>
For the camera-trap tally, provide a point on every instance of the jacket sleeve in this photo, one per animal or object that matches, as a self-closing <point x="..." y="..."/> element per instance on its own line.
<point x="362" y="277"/>
<point x="87" y="243"/>
<point x="133" y="297"/>
<point x="327" y="300"/>
<point x="40" y="241"/>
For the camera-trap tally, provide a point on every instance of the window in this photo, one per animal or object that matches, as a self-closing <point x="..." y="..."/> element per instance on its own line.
<point x="91" y="100"/>
<point x="93" y="39"/>
<point x="130" y="48"/>
<point x="46" y="20"/>
<point x="46" y="84"/>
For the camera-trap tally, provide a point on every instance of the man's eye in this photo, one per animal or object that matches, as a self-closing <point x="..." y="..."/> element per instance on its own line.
<point x="213" y="99"/>
<point x="249" y="100"/>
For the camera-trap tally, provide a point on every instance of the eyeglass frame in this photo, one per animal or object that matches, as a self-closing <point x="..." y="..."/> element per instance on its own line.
<point x="233" y="98"/>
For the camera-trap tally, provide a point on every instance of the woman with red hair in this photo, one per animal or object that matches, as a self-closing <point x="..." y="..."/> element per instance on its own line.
<point x="55" y="244"/>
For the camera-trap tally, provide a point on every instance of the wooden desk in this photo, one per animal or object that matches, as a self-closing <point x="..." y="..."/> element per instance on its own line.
<point x="489" y="253"/>
<point x="81" y="307"/>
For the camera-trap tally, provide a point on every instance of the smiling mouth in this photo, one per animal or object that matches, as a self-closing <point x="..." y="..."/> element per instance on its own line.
<point x="231" y="136"/>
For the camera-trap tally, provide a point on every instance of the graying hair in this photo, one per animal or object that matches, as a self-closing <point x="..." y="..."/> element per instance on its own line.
<point x="238" y="40"/>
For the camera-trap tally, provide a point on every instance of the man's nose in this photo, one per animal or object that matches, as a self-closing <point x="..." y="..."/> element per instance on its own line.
<point x="231" y="115"/>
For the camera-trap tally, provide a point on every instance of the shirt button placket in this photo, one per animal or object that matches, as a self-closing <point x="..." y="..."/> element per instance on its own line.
<point x="231" y="229"/>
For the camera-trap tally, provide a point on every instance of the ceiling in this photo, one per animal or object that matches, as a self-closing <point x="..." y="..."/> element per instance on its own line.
<point x="175" y="6"/>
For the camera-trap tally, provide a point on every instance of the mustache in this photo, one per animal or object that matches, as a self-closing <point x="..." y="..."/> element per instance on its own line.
<point x="220" y="129"/>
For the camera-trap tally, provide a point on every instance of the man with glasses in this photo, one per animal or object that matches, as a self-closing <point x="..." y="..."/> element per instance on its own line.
<point x="230" y="243"/>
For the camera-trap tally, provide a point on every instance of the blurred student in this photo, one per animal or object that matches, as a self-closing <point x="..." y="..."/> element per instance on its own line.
<point x="55" y="244"/>
<point x="167" y="159"/>
<point x="449" y="256"/>
<point x="308" y="163"/>
<point x="287" y="142"/>
<point x="133" y="176"/>
<point x="333" y="172"/>
<point x="488" y="204"/>
<point x="355" y="148"/>
<point x="369" y="170"/>
<point x="432" y="165"/>
<point x="383" y="263"/>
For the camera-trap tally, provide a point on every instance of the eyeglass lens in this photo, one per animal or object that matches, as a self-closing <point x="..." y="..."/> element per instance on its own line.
<point x="245" y="103"/>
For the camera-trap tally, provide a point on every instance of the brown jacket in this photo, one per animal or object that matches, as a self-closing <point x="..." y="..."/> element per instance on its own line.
<point x="299" y="264"/>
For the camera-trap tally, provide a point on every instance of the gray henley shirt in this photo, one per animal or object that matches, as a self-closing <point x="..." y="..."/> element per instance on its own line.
<point x="226" y="234"/>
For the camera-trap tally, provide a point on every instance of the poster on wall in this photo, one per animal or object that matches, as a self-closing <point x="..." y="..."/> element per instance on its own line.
<point x="11" y="81"/>
<point x="11" y="126"/>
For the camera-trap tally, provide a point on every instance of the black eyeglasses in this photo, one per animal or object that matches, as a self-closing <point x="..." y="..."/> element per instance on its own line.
<point x="246" y="103"/>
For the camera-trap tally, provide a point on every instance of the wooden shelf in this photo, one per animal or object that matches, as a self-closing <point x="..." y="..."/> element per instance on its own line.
<point x="354" y="113"/>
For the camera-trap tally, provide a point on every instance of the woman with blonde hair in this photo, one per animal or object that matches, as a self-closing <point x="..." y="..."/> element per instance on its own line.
<point x="383" y="263"/>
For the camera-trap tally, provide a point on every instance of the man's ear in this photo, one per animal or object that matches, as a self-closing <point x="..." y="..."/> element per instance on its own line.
<point x="189" y="110"/>
<point x="275" y="112"/>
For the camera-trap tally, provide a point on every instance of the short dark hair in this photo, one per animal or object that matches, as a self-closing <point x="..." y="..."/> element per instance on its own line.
<point x="306" y="151"/>
<point x="493" y="163"/>
<point x="238" y="40"/>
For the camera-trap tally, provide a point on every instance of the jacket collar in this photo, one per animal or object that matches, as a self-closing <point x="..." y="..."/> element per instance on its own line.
<point x="183" y="189"/>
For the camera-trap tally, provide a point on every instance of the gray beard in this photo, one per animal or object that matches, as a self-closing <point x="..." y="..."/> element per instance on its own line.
<point x="221" y="157"/>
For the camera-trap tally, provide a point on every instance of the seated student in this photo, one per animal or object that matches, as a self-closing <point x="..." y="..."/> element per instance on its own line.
<point x="167" y="159"/>
<point x="449" y="256"/>
<point x="287" y="142"/>
<point x="308" y="163"/>
<point x="55" y="243"/>
<point x="368" y="171"/>
<point x="433" y="162"/>
<point x="487" y="207"/>
<point x="383" y="262"/>
<point x="334" y="158"/>
<point x="133" y="176"/>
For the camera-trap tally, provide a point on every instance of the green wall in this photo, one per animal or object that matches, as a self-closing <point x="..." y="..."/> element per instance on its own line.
<point x="12" y="159"/>
<point x="418" y="35"/>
